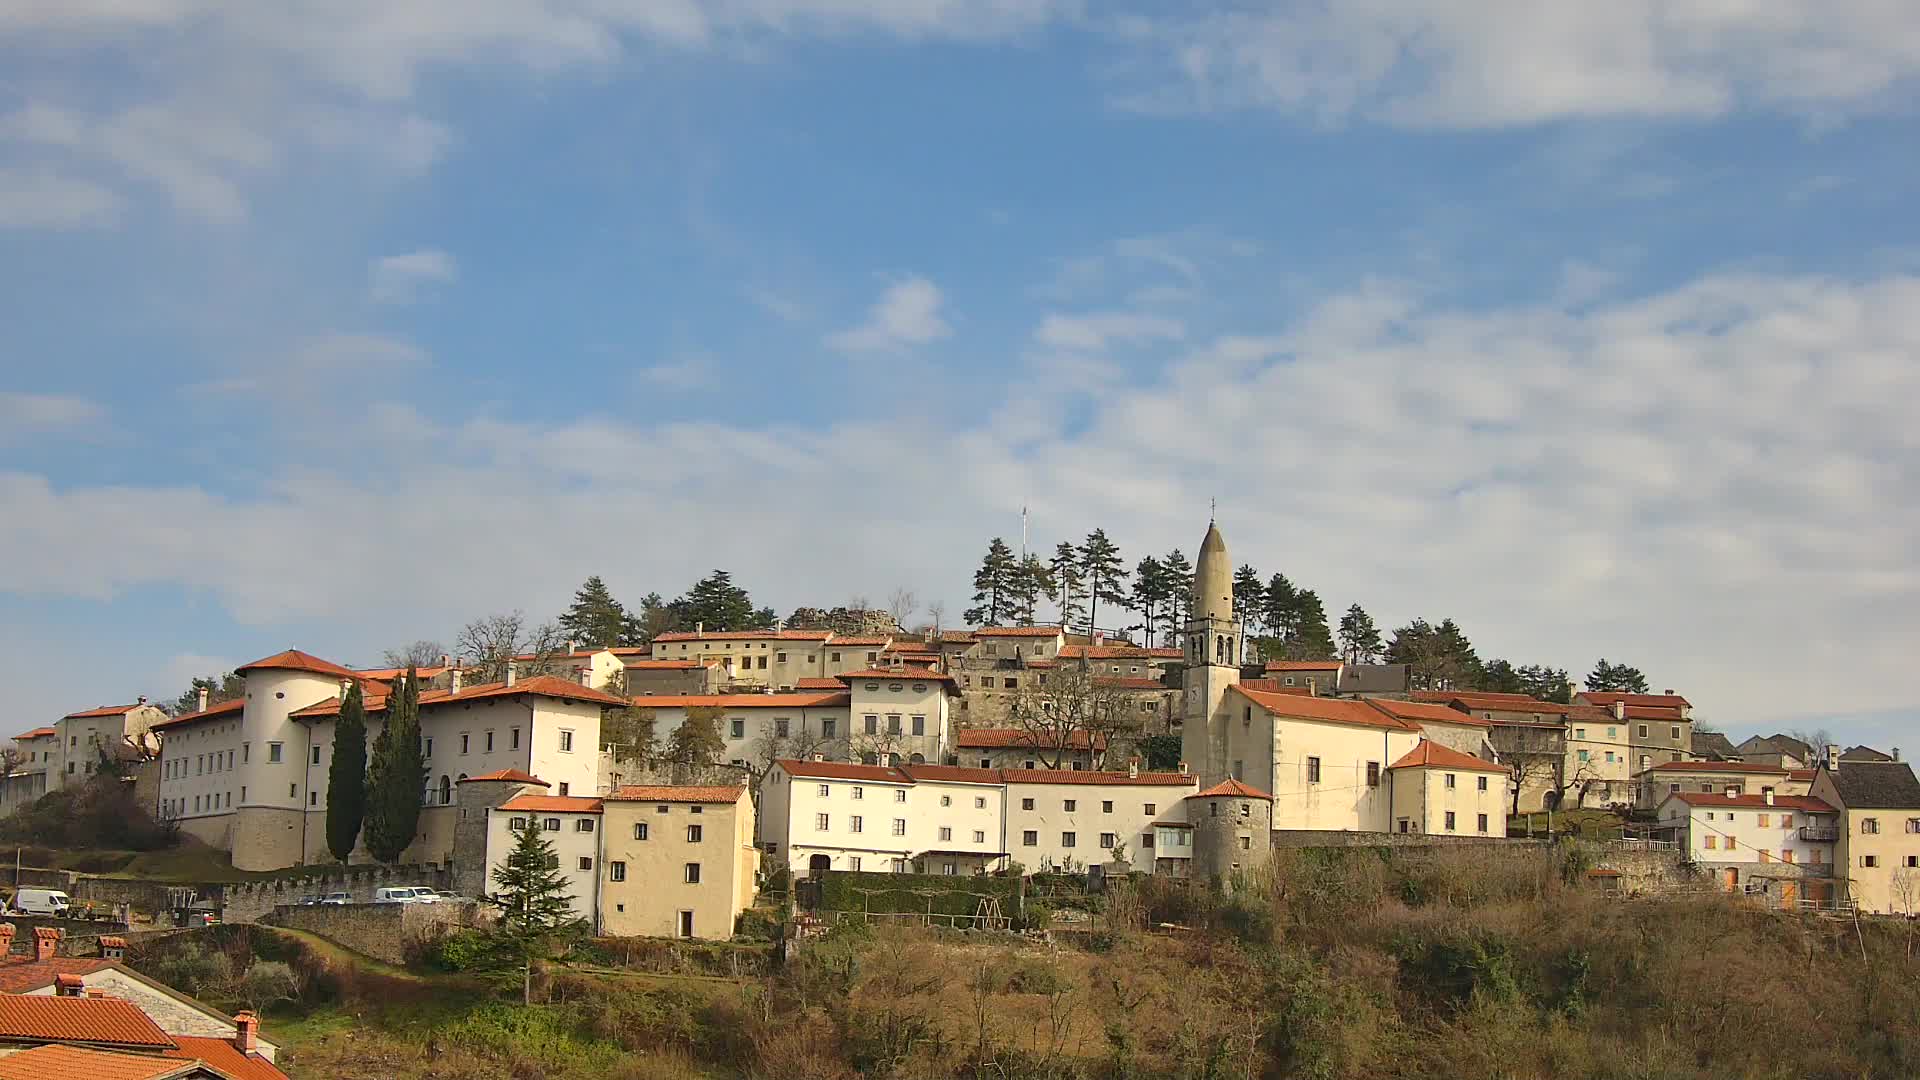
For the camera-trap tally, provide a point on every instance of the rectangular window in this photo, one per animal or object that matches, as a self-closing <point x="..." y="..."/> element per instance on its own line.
<point x="979" y="802"/>
<point x="586" y="862"/>
<point x="693" y="834"/>
<point x="857" y="823"/>
<point x="639" y="830"/>
<point x="1067" y="839"/>
<point x="1313" y="770"/>
<point x="893" y="724"/>
<point x="566" y="741"/>
<point x="853" y="861"/>
<point x="780" y="728"/>
<point x="426" y="747"/>
<point x="919" y="725"/>
<point x="872" y="724"/>
<point x="986" y="682"/>
<point x="513" y="738"/>
<point x="899" y="826"/>
<point x="246" y="752"/>
<point x="517" y="824"/>
<point x="899" y="794"/>
<point x="1449" y="821"/>
<point x="1786" y="821"/>
<point x="780" y="658"/>
<point x="979" y="836"/>
<point x="1482" y="823"/>
<point x="1786" y="855"/>
<point x="466" y="741"/>
<point x="858" y="793"/>
<point x="1106" y="807"/>
<point x="1026" y="804"/>
<point x="1869" y="861"/>
<point x="1450" y="779"/>
<point x="827" y="728"/>
<point x="1151" y="809"/>
<point x="616" y="871"/>
<point x="1643" y="731"/>
<point x="1732" y="843"/>
<point x="583" y="825"/>
<point x="1480" y="784"/>
<point x="552" y="824"/>
<point x="946" y="800"/>
<point x="489" y="742"/>
<point x="273" y="752"/>
<point x="1870" y="825"/>
<point x="824" y="790"/>
<point x="1373" y="774"/>
<point x="692" y="878"/>
<point x="737" y="729"/>
<point x="1012" y="683"/>
<point x="316" y="756"/>
<point x="820" y="822"/>
<point x="1763" y="821"/>
<point x="1108" y="841"/>
<point x="946" y="834"/>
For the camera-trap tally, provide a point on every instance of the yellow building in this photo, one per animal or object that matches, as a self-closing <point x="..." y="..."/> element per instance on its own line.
<point x="676" y="861"/>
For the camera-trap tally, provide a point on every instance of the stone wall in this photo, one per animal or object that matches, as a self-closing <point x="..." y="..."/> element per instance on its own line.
<point x="250" y="902"/>
<point x="386" y="932"/>
<point x="78" y="937"/>
<point x="1644" y="872"/>
<point x="1337" y="838"/>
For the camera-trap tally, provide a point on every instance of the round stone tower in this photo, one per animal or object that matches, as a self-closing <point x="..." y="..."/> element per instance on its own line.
<point x="1213" y="661"/>
<point x="1232" y="830"/>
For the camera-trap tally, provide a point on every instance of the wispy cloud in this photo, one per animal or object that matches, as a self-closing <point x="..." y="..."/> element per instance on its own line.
<point x="1098" y="330"/>
<point x="43" y="199"/>
<point x="401" y="279"/>
<point x="907" y="314"/>
<point x="26" y="414"/>
<point x="683" y="374"/>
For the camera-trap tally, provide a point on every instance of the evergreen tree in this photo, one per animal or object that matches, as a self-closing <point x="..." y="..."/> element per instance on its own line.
<point x="1616" y="678"/>
<point x="697" y="742"/>
<point x="1151" y="593"/>
<point x="1031" y="581"/>
<point x="1180" y="588"/>
<point x="1500" y="677"/>
<point x="1067" y="593"/>
<point x="228" y="687"/>
<point x="1544" y="683"/>
<point x="1280" y="612"/>
<point x="1359" y="638"/>
<point x="1106" y="576"/>
<point x="397" y="777"/>
<point x="655" y="618"/>
<point x="1312" y="640"/>
<point x="993" y="586"/>
<point x="718" y="604"/>
<point x="347" y="776"/>
<point x="1441" y="658"/>
<point x="596" y="618"/>
<point x="536" y="906"/>
<point x="1249" y="598"/>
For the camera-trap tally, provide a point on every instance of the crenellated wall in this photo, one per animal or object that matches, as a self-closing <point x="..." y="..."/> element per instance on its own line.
<point x="251" y="901"/>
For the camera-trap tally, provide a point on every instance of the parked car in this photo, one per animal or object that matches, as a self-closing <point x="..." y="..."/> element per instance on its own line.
<point x="42" y="902"/>
<point x="396" y="894"/>
<point x="335" y="899"/>
<point x="426" y="895"/>
<point x="307" y="901"/>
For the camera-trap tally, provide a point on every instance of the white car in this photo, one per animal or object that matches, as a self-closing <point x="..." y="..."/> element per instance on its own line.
<point x="425" y="895"/>
<point x="399" y="894"/>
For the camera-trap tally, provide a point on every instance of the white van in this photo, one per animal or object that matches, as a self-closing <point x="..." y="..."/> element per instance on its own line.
<point x="402" y="894"/>
<point x="42" y="902"/>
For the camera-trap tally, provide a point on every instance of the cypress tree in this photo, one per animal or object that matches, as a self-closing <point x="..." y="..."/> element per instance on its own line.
<point x="347" y="776"/>
<point x="398" y="777"/>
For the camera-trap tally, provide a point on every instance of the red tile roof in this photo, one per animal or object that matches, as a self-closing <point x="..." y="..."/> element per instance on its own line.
<point x="553" y="804"/>
<point x="97" y="1021"/>
<point x="56" y="1062"/>
<point x="1087" y="776"/>
<point x="1166" y="653"/>
<point x="1753" y="802"/>
<point x="1304" y="665"/>
<point x="1431" y="755"/>
<point x="669" y="665"/>
<point x="1273" y="686"/>
<point x="1122" y="682"/>
<point x="840" y="770"/>
<point x="994" y="738"/>
<point x="1231" y="788"/>
<point x="1327" y="710"/>
<point x="20" y="974"/>
<point x="1425" y="712"/>
<point x="36" y="733"/>
<point x="511" y="775"/>
<point x="722" y="793"/>
<point x="104" y="710"/>
<point x="1106" y="652"/>
<point x="744" y="701"/>
<point x="1017" y="631"/>
<point x="1607" y="697"/>
<point x="955" y="774"/>
<point x="1652" y="712"/>
<point x="957" y="637"/>
<point x="213" y="712"/>
<point x="1801" y="774"/>
<point x="389" y="674"/>
<point x="756" y="635"/>
<point x="1741" y="767"/>
<point x="223" y="1056"/>
<point x="819" y="684"/>
<point x="861" y="639"/>
<point x="1493" y="702"/>
<point x="295" y="660"/>
<point x="908" y="673"/>
<point x="547" y="686"/>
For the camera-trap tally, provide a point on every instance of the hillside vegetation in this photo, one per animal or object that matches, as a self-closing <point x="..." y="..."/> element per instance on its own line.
<point x="1356" y="964"/>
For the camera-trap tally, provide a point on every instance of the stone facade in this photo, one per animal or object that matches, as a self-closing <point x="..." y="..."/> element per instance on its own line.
<point x="388" y="932"/>
<point x="1232" y="833"/>
<point x="252" y="901"/>
<point x="1338" y="838"/>
<point x="268" y="837"/>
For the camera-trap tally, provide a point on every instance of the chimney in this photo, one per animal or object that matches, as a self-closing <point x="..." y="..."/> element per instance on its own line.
<point x="1099" y="638"/>
<point x="45" y="941"/>
<point x="1896" y="753"/>
<point x="1833" y="756"/>
<point x="141" y="700"/>
<point x="1183" y="769"/>
<point x="1133" y="768"/>
<point x="445" y="660"/>
<point x="572" y="646"/>
<point x="699" y="629"/>
<point x="203" y="700"/>
<point x="453" y="676"/>
<point x="510" y="672"/>
<point x="246" y="1029"/>
<point x="346" y="685"/>
<point x="1573" y="689"/>
<point x="818" y="756"/>
<point x="586" y="675"/>
<point x="69" y="986"/>
<point x="113" y="948"/>
<point x="6" y="938"/>
<point x="1619" y="710"/>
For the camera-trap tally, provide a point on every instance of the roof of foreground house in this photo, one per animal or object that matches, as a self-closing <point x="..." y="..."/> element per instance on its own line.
<point x="553" y="804"/>
<point x="36" y="733"/>
<point x="1752" y="802"/>
<point x="547" y="686"/>
<point x="1876" y="785"/>
<point x="1431" y="755"/>
<point x="1740" y="767"/>
<point x="710" y="794"/>
<point x="54" y="1061"/>
<point x="1426" y="712"/>
<point x="212" y="712"/>
<point x="807" y="700"/>
<point x="103" y="710"/>
<point x="513" y="776"/>
<point x="102" y="1021"/>
<point x="1493" y="702"/>
<point x="1325" y="710"/>
<point x="1231" y="789"/>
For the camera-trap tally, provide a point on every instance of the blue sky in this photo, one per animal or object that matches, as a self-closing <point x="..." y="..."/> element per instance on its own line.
<point x="1592" y="327"/>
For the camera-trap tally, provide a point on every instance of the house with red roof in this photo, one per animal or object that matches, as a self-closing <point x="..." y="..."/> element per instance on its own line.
<point x="76" y="1034"/>
<point x="69" y="750"/>
<point x="1777" y="848"/>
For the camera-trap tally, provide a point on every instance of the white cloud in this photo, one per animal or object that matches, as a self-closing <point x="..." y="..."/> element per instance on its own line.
<point x="27" y="414"/>
<point x="42" y="199"/>
<point x="1668" y="480"/>
<point x="907" y="314"/>
<point x="317" y="369"/>
<point x="684" y="374"/>
<point x="400" y="279"/>
<point x="1493" y="63"/>
<point x="1097" y="330"/>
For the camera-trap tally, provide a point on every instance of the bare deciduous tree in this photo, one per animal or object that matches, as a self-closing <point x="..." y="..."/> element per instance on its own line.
<point x="488" y="644"/>
<point x="420" y="653"/>
<point x="1066" y="709"/>
<point x="901" y="604"/>
<point x="770" y="746"/>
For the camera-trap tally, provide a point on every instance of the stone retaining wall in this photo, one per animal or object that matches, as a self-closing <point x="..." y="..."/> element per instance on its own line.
<point x="386" y="932"/>
<point x="251" y="901"/>
<point x="1336" y="838"/>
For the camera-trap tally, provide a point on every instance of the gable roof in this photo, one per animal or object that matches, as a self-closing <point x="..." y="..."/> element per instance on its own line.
<point x="842" y="770"/>
<point x="21" y="974"/>
<point x="56" y="1062"/>
<point x="1752" y="802"/>
<point x="995" y="738"/>
<point x="225" y="1058"/>
<point x="552" y="804"/>
<point x="36" y="733"/>
<point x="1662" y="701"/>
<point x="1875" y="785"/>
<point x="807" y="700"/>
<point x="1493" y="702"/>
<point x="814" y="683"/>
<point x="1231" y="788"/>
<point x="908" y="673"/>
<point x="1325" y="710"/>
<point x="547" y="686"/>
<point x="1304" y="665"/>
<point x="1431" y="755"/>
<point x="1743" y="768"/>
<point x="1017" y="631"/>
<point x="515" y="776"/>
<point x="953" y="774"/>
<point x="1089" y="776"/>
<point x="211" y="712"/>
<point x="1863" y="753"/>
<point x="1715" y="744"/>
<point x="104" y="710"/>
<point x="295" y="660"/>
<point x="756" y="635"/>
<point x="389" y="674"/>
<point x="102" y="1021"/>
<point x="712" y="793"/>
<point x="1426" y="712"/>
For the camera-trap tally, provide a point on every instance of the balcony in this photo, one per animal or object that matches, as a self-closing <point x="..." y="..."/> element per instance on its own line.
<point x="1820" y="834"/>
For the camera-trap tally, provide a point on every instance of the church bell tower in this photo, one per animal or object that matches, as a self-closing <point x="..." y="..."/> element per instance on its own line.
<point x="1213" y="661"/>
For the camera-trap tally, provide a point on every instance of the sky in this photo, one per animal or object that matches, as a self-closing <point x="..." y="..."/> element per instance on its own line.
<point x="1594" y="327"/>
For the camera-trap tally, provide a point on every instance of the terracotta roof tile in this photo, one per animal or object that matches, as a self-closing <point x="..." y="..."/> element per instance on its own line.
<point x="1605" y="697"/>
<point x="1741" y="767"/>
<point x="20" y="974"/>
<point x="515" y="776"/>
<point x="226" y="1057"/>
<point x="1166" y="653"/>
<point x="1431" y="755"/>
<point x="390" y="674"/>
<point x="721" y="794"/>
<point x="1088" y="776"/>
<point x="957" y="774"/>
<point x="1493" y="702"/>
<point x="1304" y="665"/>
<point x="1106" y="652"/>
<point x="909" y="673"/>
<point x="1017" y="631"/>
<point x="840" y="770"/>
<point x="553" y="804"/>
<point x="213" y="712"/>
<point x="809" y="700"/>
<point x="104" y="710"/>
<point x="98" y="1021"/>
<point x="295" y="660"/>
<point x="1231" y="788"/>
<point x="547" y="686"/>
<point x="834" y="685"/>
<point x="860" y="639"/>
<point x="36" y="733"/>
<point x="1753" y="802"/>
<point x="1273" y="686"/>
<point x="1328" y="710"/>
<point x="55" y="1062"/>
<point x="1427" y="712"/>
<point x="754" y="635"/>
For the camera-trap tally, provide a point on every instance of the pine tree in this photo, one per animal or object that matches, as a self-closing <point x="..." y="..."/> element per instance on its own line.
<point x="1180" y="588"/>
<point x="1544" y="683"/>
<point x="1031" y="581"/>
<point x="1151" y="594"/>
<point x="718" y="604"/>
<point x="397" y="777"/>
<point x="1500" y="677"/>
<point x="1248" y="599"/>
<point x="347" y="776"/>
<point x="596" y="618"/>
<point x="1067" y="592"/>
<point x="993" y="587"/>
<point x="1106" y="576"/>
<point x="1616" y="678"/>
<point x="534" y="901"/>
<point x="1280" y="612"/>
<point x="1464" y="663"/>
<point x="1440" y="658"/>
<point x="1312" y="640"/>
<point x="1359" y="638"/>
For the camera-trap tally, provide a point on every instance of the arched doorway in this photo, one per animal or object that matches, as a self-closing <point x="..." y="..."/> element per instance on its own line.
<point x="446" y="790"/>
<point x="819" y="863"/>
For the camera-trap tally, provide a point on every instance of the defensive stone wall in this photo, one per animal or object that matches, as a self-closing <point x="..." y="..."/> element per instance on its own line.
<point x="1336" y="838"/>
<point x="250" y="902"/>
<point x="386" y="932"/>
